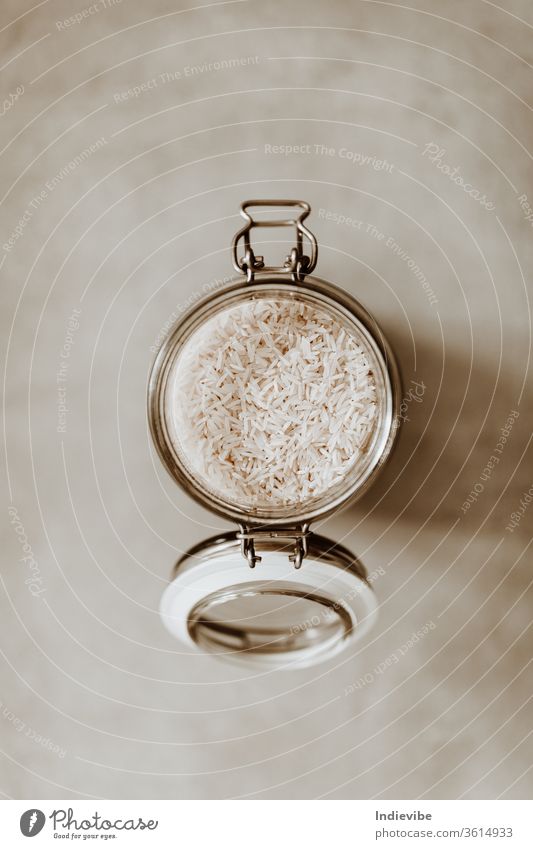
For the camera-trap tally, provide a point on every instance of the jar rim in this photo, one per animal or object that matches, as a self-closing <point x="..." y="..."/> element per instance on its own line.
<point x="321" y="293"/>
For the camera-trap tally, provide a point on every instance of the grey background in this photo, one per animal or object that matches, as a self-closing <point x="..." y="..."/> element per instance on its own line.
<point x="97" y="700"/>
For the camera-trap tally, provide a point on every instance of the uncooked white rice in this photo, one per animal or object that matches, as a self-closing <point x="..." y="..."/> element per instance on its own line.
<point x="272" y="402"/>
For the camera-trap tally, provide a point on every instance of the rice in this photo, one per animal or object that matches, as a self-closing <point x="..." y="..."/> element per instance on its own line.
<point x="272" y="402"/>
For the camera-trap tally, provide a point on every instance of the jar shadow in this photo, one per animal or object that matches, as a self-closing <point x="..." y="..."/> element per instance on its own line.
<point x="453" y="416"/>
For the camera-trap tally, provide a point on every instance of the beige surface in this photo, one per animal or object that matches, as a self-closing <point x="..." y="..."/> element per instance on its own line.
<point x="133" y="232"/>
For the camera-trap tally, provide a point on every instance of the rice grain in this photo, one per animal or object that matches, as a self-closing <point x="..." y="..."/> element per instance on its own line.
<point x="273" y="402"/>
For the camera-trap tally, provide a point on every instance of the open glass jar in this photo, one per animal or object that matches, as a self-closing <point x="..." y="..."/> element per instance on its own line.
<point x="273" y="402"/>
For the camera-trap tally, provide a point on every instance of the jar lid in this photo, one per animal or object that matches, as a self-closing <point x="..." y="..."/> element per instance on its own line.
<point x="273" y="616"/>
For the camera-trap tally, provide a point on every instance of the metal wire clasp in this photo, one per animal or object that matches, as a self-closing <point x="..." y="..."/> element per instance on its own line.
<point x="297" y="263"/>
<point x="249" y="536"/>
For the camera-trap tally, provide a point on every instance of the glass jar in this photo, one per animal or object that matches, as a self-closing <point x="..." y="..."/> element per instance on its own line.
<point x="273" y="402"/>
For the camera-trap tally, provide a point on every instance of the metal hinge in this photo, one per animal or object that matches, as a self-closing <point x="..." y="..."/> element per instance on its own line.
<point x="297" y="264"/>
<point x="249" y="536"/>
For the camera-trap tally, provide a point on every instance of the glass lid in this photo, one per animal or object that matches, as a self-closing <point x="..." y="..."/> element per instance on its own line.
<point x="274" y="615"/>
<point x="267" y="618"/>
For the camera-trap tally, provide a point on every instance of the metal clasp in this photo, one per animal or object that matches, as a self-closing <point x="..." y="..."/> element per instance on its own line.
<point x="297" y="263"/>
<point x="249" y="537"/>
